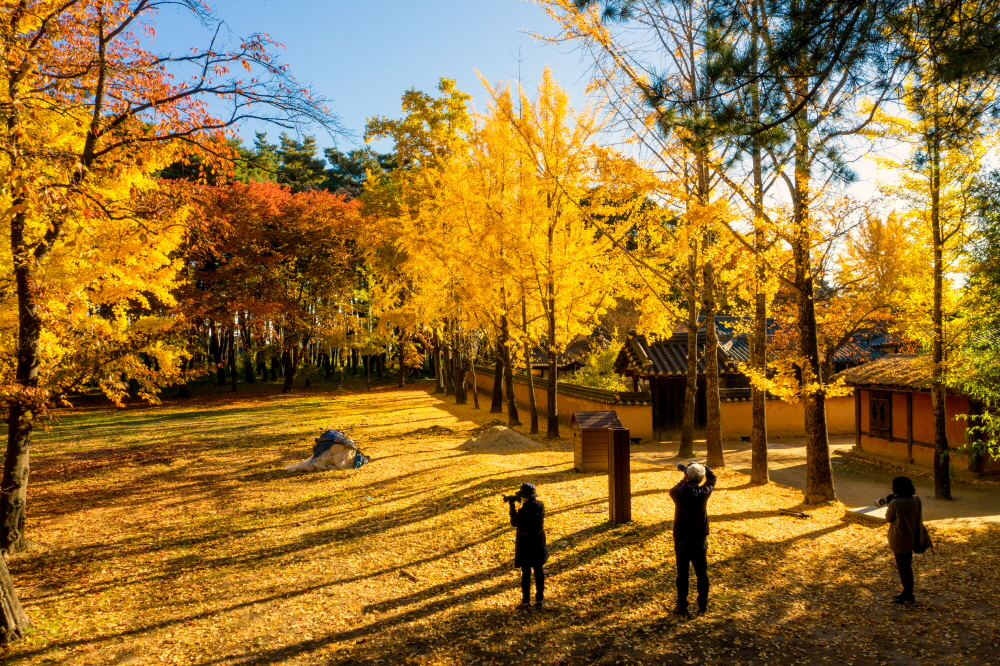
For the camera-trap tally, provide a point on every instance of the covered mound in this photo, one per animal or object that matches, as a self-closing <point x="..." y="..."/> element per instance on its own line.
<point x="500" y="438"/>
<point x="333" y="450"/>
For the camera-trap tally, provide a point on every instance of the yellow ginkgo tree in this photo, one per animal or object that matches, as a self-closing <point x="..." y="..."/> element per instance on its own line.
<point x="946" y="130"/>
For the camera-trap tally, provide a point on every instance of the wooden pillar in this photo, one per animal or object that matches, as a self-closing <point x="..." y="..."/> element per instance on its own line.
<point x="909" y="426"/>
<point x="619" y="476"/>
<point x="857" y="419"/>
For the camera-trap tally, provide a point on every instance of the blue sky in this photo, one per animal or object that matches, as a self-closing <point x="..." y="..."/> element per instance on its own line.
<point x="364" y="54"/>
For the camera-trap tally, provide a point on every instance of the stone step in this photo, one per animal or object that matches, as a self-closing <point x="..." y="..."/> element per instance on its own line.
<point x="875" y="513"/>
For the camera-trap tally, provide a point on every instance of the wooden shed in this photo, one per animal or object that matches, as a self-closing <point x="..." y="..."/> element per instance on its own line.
<point x="590" y="439"/>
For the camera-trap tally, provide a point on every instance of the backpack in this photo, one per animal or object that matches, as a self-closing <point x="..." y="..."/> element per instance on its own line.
<point x="922" y="540"/>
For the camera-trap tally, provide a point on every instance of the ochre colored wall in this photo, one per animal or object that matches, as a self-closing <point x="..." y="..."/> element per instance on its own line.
<point x="899" y="415"/>
<point x="637" y="418"/>
<point x="923" y="418"/>
<point x="953" y="406"/>
<point x="923" y="431"/>
<point x="883" y="447"/>
<point x="783" y="419"/>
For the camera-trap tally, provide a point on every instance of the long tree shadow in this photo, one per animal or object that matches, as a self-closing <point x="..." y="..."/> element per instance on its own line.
<point x="424" y="639"/>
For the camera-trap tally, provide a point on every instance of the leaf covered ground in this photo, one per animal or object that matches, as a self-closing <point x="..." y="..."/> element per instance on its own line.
<point x="172" y="534"/>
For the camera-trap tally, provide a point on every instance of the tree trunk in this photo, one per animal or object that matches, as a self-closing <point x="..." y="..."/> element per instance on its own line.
<point x="289" y="364"/>
<point x="758" y="361"/>
<point x="461" y="375"/>
<point x="367" y="362"/>
<point x="532" y="405"/>
<point x="216" y="348"/>
<point x="13" y="620"/>
<point x="133" y="388"/>
<point x="552" y="397"/>
<point x="496" y="402"/>
<point x="713" y="425"/>
<point x="759" y="475"/>
<point x="402" y="366"/>
<point x="942" y="459"/>
<point x="250" y="376"/>
<point x="13" y="501"/>
<point x="449" y="372"/>
<point x="232" y="357"/>
<point x="438" y="370"/>
<point x="248" y="353"/>
<point x="819" y="473"/>
<point x="513" y="418"/>
<point x="475" y="386"/>
<point x="686" y="449"/>
<point x="182" y="388"/>
<point x="20" y="413"/>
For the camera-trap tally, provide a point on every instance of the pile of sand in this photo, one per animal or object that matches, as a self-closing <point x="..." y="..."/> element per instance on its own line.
<point x="500" y="438"/>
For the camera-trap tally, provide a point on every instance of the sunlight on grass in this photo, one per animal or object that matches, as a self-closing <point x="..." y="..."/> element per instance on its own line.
<point x="172" y="534"/>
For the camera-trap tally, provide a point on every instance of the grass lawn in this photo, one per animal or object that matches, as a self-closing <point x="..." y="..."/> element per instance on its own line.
<point x="172" y="534"/>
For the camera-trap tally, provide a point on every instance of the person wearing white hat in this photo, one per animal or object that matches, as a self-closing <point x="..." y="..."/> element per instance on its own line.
<point x="690" y="498"/>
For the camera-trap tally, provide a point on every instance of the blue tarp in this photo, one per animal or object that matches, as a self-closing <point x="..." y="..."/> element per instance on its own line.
<point x="328" y="439"/>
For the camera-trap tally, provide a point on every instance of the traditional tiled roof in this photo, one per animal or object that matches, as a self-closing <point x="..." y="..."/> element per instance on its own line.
<point x="892" y="371"/>
<point x="664" y="358"/>
<point x="669" y="357"/>
<point x="573" y="358"/>
<point x="858" y="350"/>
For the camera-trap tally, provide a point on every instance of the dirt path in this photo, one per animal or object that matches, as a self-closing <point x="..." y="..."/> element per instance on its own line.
<point x="858" y="482"/>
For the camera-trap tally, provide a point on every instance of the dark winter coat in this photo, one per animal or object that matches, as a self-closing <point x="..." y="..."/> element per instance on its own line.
<point x="903" y="516"/>
<point x="529" y="544"/>
<point x="691" y="512"/>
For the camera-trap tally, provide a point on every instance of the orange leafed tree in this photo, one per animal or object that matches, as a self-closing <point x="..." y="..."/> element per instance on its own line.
<point x="89" y="114"/>
<point x="279" y="266"/>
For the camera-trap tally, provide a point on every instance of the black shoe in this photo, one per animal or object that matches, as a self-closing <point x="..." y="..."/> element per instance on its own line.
<point x="702" y="607"/>
<point x="904" y="600"/>
<point x="680" y="610"/>
<point x="525" y="603"/>
<point x="539" y="603"/>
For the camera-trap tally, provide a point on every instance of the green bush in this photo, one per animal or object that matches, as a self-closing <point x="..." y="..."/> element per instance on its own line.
<point x="599" y="371"/>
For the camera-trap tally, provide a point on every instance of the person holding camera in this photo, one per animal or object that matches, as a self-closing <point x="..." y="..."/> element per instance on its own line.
<point x="905" y="518"/>
<point x="530" y="551"/>
<point x="690" y="498"/>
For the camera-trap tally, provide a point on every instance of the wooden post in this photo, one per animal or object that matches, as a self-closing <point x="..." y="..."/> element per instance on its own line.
<point x="619" y="476"/>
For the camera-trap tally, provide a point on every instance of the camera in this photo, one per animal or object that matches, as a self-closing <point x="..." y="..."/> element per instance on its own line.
<point x="884" y="501"/>
<point x="509" y="498"/>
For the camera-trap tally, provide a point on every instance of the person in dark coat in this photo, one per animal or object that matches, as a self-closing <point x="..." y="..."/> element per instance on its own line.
<point x="904" y="518"/>
<point x="530" y="551"/>
<point x="690" y="498"/>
